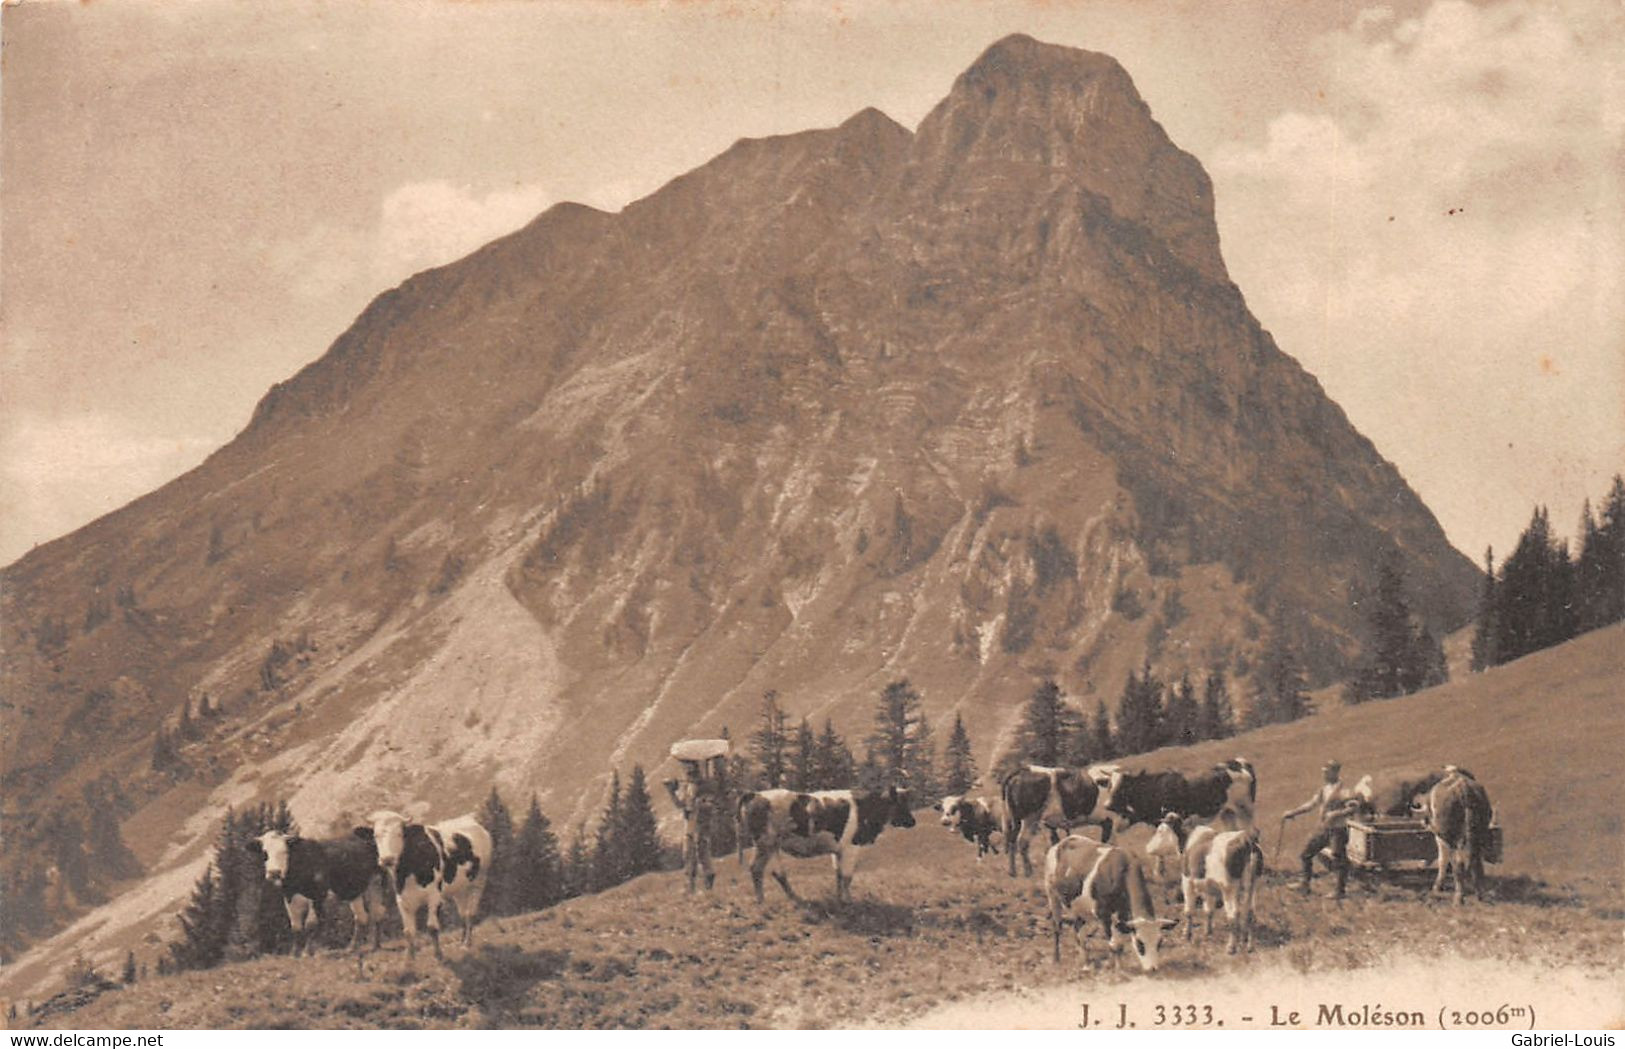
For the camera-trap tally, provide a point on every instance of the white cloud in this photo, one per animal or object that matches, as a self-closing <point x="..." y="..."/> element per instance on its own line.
<point x="417" y="226"/>
<point x="1442" y="244"/>
<point x="424" y="224"/>
<point x="61" y="473"/>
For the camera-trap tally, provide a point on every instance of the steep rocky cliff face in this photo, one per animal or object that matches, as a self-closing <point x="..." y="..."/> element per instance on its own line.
<point x="972" y="404"/>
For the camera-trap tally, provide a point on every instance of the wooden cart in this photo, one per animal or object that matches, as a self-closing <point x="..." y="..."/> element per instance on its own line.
<point x="1400" y="844"/>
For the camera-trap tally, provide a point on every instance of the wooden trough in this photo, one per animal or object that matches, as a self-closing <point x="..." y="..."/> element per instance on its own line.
<point x="1400" y="843"/>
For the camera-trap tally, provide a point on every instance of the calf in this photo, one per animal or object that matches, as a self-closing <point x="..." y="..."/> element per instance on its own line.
<point x="834" y="823"/>
<point x="1222" y="867"/>
<point x="1038" y="796"/>
<point x="429" y="864"/>
<point x="973" y="818"/>
<point x="305" y="871"/>
<point x="1087" y="879"/>
<point x="1146" y="797"/>
<point x="1458" y="812"/>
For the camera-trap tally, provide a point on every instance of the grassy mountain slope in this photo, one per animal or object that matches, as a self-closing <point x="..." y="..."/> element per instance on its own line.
<point x="929" y="926"/>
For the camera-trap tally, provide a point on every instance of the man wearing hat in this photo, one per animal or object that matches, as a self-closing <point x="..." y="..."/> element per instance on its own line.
<point x="1335" y="803"/>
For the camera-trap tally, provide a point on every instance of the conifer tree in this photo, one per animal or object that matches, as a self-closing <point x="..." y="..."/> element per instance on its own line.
<point x="1101" y="729"/>
<point x="109" y="854"/>
<point x="1609" y="581"/>
<point x="1484" y="653"/>
<point x="501" y="890"/>
<point x="959" y="771"/>
<point x="127" y="977"/>
<point x="1139" y="713"/>
<point x="539" y="874"/>
<point x="608" y="863"/>
<point x="804" y="758"/>
<point x="894" y="743"/>
<point x="770" y="743"/>
<point x="184" y="726"/>
<point x="578" y="865"/>
<point x="1523" y="618"/>
<point x="1280" y="690"/>
<point x="923" y="783"/>
<point x="1218" y="717"/>
<point x="165" y="758"/>
<point x="834" y="768"/>
<point x="640" y="842"/>
<point x="1387" y="669"/>
<point x="1047" y="725"/>
<point x="1183" y="715"/>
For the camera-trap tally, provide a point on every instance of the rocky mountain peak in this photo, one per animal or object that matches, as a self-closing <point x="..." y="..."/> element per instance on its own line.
<point x="1031" y="117"/>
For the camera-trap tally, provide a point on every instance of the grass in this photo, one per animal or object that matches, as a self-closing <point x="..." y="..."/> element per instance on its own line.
<point x="929" y="926"/>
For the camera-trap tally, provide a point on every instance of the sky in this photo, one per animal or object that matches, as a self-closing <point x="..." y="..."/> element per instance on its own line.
<point x="1424" y="201"/>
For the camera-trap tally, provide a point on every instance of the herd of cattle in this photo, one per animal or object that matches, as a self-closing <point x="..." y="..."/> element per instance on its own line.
<point x="1204" y="836"/>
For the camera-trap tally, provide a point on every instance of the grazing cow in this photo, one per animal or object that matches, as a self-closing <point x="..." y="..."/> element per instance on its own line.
<point x="834" y="823"/>
<point x="1396" y="793"/>
<point x="1146" y="797"/>
<point x="973" y="818"/>
<point x="1458" y="812"/>
<point x="1222" y="867"/>
<point x="429" y="864"/>
<point x="305" y="871"/>
<point x="1037" y="796"/>
<point x="1087" y="879"/>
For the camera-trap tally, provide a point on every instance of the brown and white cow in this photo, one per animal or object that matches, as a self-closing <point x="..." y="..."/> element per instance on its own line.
<point x="304" y="871"/>
<point x="1038" y="796"/>
<point x="1085" y="879"/>
<point x="973" y="818"/>
<point x="834" y="823"/>
<point x="1222" y="867"/>
<point x="1457" y="810"/>
<point x="430" y="864"/>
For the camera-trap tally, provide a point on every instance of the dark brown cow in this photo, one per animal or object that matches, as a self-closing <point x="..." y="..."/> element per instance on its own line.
<point x="1146" y="797"/>
<point x="1037" y="796"/>
<point x="305" y="871"/>
<point x="835" y="823"/>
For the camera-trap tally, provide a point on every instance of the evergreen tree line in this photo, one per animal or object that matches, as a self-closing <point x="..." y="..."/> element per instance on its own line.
<point x="1150" y="714"/>
<point x="624" y="844"/>
<point x="1543" y="595"/>
<point x="1402" y="655"/>
<point x="899" y="749"/>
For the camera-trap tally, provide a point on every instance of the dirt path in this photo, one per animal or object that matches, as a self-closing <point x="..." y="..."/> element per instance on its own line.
<point x="1251" y="993"/>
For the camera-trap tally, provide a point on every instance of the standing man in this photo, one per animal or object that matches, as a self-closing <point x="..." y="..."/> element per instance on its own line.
<point x="1334" y="803"/>
<point x="695" y="796"/>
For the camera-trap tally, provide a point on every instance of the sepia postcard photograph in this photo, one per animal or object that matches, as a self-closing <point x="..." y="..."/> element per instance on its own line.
<point x="1103" y="515"/>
